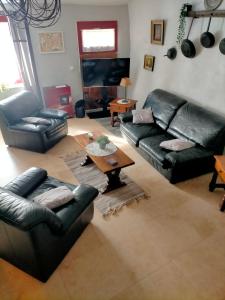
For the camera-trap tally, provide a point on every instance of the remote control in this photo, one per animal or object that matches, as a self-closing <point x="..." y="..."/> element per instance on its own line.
<point x="112" y="161"/>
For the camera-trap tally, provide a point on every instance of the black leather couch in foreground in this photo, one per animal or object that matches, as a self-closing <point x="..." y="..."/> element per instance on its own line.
<point x="176" y="118"/>
<point x="35" y="238"/>
<point x="32" y="137"/>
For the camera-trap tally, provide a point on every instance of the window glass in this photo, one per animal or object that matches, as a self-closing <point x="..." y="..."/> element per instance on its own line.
<point x="10" y="77"/>
<point x="95" y="40"/>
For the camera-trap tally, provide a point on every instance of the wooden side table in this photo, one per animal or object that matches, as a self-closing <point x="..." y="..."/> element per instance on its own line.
<point x="219" y="170"/>
<point x="116" y="108"/>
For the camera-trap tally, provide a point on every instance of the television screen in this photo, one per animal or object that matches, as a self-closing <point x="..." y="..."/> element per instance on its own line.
<point x="104" y="71"/>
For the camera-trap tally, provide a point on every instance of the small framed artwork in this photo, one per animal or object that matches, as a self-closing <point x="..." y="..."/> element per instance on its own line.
<point x="157" y="32"/>
<point x="149" y="62"/>
<point x="51" y="42"/>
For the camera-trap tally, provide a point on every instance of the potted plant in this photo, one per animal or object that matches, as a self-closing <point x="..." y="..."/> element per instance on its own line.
<point x="102" y="141"/>
<point x="182" y="22"/>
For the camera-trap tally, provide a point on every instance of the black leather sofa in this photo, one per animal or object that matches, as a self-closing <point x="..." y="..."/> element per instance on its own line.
<point x="32" y="137"/>
<point x="176" y="118"/>
<point x="35" y="238"/>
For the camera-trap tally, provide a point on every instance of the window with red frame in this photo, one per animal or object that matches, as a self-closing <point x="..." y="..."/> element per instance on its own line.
<point x="10" y="76"/>
<point x="97" y="36"/>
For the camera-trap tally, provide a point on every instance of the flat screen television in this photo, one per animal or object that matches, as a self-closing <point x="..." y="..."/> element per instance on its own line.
<point x="104" y="71"/>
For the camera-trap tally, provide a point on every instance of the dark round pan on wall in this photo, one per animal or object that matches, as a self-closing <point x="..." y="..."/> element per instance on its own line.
<point x="222" y="46"/>
<point x="207" y="38"/>
<point x="187" y="46"/>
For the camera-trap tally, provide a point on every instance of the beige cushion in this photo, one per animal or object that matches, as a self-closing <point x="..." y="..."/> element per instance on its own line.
<point x="36" y="121"/>
<point x="176" y="145"/>
<point x="142" y="116"/>
<point x="55" y="197"/>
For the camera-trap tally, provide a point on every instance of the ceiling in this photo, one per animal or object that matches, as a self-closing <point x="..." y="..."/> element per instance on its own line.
<point x="95" y="2"/>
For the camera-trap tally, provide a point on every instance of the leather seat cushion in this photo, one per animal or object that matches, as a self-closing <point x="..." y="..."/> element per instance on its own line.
<point x="54" y="127"/>
<point x="73" y="209"/>
<point x="194" y="156"/>
<point x="136" y="132"/>
<point x="84" y="196"/>
<point x="150" y="145"/>
<point x="48" y="184"/>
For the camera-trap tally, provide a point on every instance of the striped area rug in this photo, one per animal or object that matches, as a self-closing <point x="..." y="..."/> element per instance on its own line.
<point x="109" y="203"/>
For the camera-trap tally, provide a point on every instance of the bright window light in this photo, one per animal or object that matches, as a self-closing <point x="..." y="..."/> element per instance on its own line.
<point x="9" y="71"/>
<point x="95" y="40"/>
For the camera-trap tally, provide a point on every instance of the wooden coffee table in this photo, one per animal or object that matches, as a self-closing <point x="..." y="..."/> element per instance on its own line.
<point x="102" y="162"/>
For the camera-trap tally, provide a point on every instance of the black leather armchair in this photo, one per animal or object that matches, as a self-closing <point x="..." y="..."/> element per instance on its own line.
<point x="32" y="137"/>
<point x="33" y="237"/>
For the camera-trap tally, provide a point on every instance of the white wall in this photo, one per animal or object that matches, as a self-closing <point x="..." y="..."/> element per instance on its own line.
<point x="201" y="79"/>
<point x="54" y="69"/>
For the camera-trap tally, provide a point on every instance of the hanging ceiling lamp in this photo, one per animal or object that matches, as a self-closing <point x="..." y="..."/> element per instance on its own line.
<point x="37" y="13"/>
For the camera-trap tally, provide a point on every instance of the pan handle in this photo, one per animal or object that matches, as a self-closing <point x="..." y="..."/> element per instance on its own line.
<point x="210" y="18"/>
<point x="190" y="28"/>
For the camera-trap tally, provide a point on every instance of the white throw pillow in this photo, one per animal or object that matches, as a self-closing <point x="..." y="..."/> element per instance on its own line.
<point x="141" y="116"/>
<point x="176" y="145"/>
<point x="55" y="197"/>
<point x="36" y="121"/>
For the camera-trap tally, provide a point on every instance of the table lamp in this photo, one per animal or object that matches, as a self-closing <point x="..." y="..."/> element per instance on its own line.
<point x="125" y="82"/>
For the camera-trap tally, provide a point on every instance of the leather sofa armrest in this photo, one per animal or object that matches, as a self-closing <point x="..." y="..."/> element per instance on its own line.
<point x="26" y="182"/>
<point x="85" y="193"/>
<point x="126" y="117"/>
<point x="53" y="113"/>
<point x="25" y="214"/>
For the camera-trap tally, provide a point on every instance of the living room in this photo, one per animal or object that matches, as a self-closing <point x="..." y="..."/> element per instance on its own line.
<point x="169" y="244"/>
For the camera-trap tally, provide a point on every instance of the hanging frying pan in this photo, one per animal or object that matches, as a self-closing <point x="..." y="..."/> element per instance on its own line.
<point x="222" y="46"/>
<point x="212" y="4"/>
<point x="207" y="38"/>
<point x="187" y="47"/>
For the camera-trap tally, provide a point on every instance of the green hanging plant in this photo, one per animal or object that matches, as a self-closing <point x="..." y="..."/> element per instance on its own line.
<point x="182" y="22"/>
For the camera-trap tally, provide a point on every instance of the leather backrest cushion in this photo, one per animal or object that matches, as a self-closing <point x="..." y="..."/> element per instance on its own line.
<point x="18" y="106"/>
<point x="164" y="106"/>
<point x="199" y="125"/>
<point x="26" y="182"/>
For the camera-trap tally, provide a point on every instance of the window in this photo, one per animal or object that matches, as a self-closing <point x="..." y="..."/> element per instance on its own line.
<point x="10" y="77"/>
<point x="98" y="36"/>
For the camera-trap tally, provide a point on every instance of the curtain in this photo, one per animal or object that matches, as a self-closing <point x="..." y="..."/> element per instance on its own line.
<point x="21" y="38"/>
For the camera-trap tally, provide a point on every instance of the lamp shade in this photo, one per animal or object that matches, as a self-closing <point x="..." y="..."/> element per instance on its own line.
<point x="125" y="82"/>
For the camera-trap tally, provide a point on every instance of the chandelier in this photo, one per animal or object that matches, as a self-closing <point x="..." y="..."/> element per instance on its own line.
<point x="37" y="13"/>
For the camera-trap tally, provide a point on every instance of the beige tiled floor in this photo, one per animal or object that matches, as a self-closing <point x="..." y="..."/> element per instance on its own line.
<point x="169" y="247"/>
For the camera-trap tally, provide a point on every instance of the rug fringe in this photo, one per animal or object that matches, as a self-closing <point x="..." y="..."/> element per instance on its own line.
<point x="114" y="211"/>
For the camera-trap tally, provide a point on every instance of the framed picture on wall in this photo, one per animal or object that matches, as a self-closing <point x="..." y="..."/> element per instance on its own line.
<point x="51" y="42"/>
<point x="149" y="62"/>
<point x="157" y="32"/>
